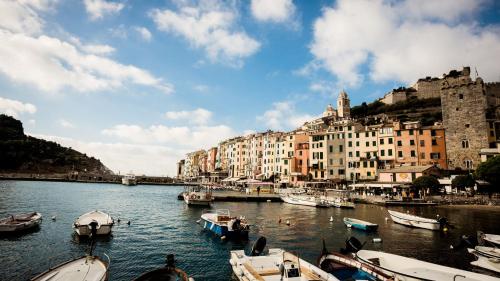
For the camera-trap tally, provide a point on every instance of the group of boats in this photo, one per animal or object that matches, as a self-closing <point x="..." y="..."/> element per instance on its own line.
<point x="316" y="201"/>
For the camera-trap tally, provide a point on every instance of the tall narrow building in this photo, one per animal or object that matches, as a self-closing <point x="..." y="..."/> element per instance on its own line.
<point x="343" y="105"/>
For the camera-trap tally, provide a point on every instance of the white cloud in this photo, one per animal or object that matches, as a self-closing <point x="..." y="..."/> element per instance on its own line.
<point x="283" y="116"/>
<point x="322" y="87"/>
<point x="98" y="49"/>
<point x="201" y="88"/>
<point x="66" y="124"/>
<point x="211" y="26"/>
<point x="52" y="64"/>
<point x="14" y="107"/>
<point x="144" y="33"/>
<point x="118" y="32"/>
<point x="97" y="9"/>
<point x="273" y="11"/>
<point x="199" y="116"/>
<point x="403" y="41"/>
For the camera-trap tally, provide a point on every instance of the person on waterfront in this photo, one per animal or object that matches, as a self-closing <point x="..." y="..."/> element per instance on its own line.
<point x="258" y="190"/>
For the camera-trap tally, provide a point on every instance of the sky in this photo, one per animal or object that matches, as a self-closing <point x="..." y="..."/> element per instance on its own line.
<point x="138" y="84"/>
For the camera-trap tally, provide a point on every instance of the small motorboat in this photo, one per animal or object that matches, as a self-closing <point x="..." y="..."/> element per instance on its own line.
<point x="104" y="223"/>
<point x="403" y="268"/>
<point x="305" y="200"/>
<point x="491" y="239"/>
<point x="360" y="224"/>
<point x="197" y="196"/>
<point x="487" y="258"/>
<point x="277" y="264"/>
<point x="129" y="179"/>
<point x="418" y="222"/>
<point x="20" y="222"/>
<point x="224" y="225"/>
<point x="345" y="267"/>
<point x="343" y="203"/>
<point x="167" y="273"/>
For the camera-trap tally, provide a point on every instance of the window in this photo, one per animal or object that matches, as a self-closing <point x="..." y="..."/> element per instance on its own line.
<point x="460" y="96"/>
<point x="349" y="128"/>
<point x="468" y="164"/>
<point x="349" y="143"/>
<point x="412" y="153"/>
<point x="366" y="134"/>
<point x="321" y="155"/>
<point x="300" y="162"/>
<point x="341" y="172"/>
<point x="365" y="164"/>
<point x="412" y="142"/>
<point x="422" y="155"/>
<point x="357" y="153"/>
<point x="341" y="161"/>
<point x="465" y="143"/>
<point x="433" y="133"/>
<point x="372" y="164"/>
<point x="373" y="134"/>
<point x="389" y="152"/>
<point x="374" y="143"/>
<point x="411" y="132"/>
<point x="422" y="143"/>
<point x="368" y="174"/>
<point x="320" y="144"/>
<point x="350" y="153"/>
<point x="400" y="143"/>
<point x="300" y="152"/>
<point x="357" y="135"/>
<point x="349" y="135"/>
<point x="398" y="133"/>
<point x="435" y="155"/>
<point x="322" y="174"/>
<point x="390" y="140"/>
<point x="367" y="144"/>
<point x="400" y="154"/>
<point x="382" y="152"/>
<point x="381" y="141"/>
<point x="331" y="161"/>
<point x="286" y="162"/>
<point x="286" y="171"/>
<point x="341" y="148"/>
<point x="330" y="148"/>
<point x="331" y="172"/>
<point x="420" y="132"/>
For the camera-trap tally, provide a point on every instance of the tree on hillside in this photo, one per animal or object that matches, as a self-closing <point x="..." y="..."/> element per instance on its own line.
<point x="463" y="181"/>
<point x="424" y="182"/>
<point x="490" y="172"/>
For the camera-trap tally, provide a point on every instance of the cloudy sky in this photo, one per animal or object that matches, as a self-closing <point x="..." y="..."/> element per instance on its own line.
<point x="138" y="84"/>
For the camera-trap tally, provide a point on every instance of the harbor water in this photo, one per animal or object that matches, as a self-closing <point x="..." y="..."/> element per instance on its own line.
<point x="160" y="224"/>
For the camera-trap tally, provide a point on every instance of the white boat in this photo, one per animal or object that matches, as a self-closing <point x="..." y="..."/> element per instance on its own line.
<point x="20" y="222"/>
<point x="491" y="238"/>
<point x="104" y="222"/>
<point x="487" y="258"/>
<point x="88" y="268"/>
<point x="305" y="200"/>
<point x="277" y="265"/>
<point x="199" y="196"/>
<point x="416" y="221"/>
<point x="129" y="179"/>
<point x="224" y="225"/>
<point x="403" y="268"/>
<point x="343" y="203"/>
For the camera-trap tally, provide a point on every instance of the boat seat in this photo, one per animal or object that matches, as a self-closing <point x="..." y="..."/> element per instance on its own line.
<point x="269" y="272"/>
<point x="252" y="271"/>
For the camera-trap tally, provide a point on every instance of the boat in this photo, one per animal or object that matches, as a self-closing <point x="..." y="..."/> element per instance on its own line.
<point x="20" y="222"/>
<point x="88" y="268"/>
<point x="491" y="239"/>
<point x="418" y="222"/>
<point x="224" y="225"/>
<point x="305" y="200"/>
<point x="129" y="179"/>
<point x="166" y="273"/>
<point x="345" y="267"/>
<point x="277" y="264"/>
<point x="198" y="196"/>
<point x="82" y="225"/>
<point x="403" y="268"/>
<point x="343" y="203"/>
<point x="487" y="258"/>
<point x="360" y="224"/>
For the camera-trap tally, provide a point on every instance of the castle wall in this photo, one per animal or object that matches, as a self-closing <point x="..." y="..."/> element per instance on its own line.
<point x="429" y="88"/>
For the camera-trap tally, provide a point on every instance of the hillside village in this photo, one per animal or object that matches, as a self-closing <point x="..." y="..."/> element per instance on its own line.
<point x="456" y="127"/>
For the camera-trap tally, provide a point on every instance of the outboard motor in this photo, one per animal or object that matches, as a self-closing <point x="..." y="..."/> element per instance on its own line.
<point x="236" y="225"/>
<point x="170" y="261"/>
<point x="258" y="246"/>
<point x="443" y="224"/>
<point x="352" y="245"/>
<point x="93" y="233"/>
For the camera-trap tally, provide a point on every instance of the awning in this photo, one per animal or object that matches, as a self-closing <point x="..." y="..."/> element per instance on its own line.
<point x="230" y="179"/>
<point x="241" y="181"/>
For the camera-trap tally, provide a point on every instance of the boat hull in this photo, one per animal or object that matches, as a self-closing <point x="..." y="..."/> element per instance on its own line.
<point x="361" y="225"/>
<point x="196" y="200"/>
<point x="413" y="221"/>
<point x="21" y="226"/>
<point x="84" y="230"/>
<point x="299" y="201"/>
<point x="222" y="230"/>
<point x="84" y="268"/>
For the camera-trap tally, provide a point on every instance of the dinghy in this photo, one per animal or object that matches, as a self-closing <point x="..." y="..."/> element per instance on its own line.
<point x="403" y="268"/>
<point x="88" y="268"/>
<point x="487" y="258"/>
<point x="224" y="225"/>
<point x="418" y="222"/>
<point x="360" y="224"/>
<point x="277" y="264"/>
<point x="305" y="200"/>
<point x="492" y="239"/>
<point x="167" y="273"/>
<point x="20" y="222"/>
<point x="104" y="223"/>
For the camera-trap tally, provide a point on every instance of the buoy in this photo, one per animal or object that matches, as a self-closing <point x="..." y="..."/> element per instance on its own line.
<point x="445" y="229"/>
<point x="377" y="240"/>
<point x="331" y="218"/>
<point x="128" y="222"/>
<point x="222" y="237"/>
<point x="53" y="218"/>
<point x="268" y="200"/>
<point x="118" y="220"/>
<point x="287" y="222"/>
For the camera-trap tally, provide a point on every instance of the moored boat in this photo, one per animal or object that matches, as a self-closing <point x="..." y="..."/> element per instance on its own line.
<point x="305" y="200"/>
<point x="343" y="203"/>
<point x="88" y="268"/>
<point x="419" y="222"/>
<point x="360" y="224"/>
<point x="277" y="264"/>
<point x="492" y="239"/>
<point x="82" y="225"/>
<point x="403" y="268"/>
<point x="20" y="222"/>
<point x="198" y="196"/>
<point x="487" y="258"/>
<point x="166" y="273"/>
<point x="224" y="225"/>
<point x="129" y="179"/>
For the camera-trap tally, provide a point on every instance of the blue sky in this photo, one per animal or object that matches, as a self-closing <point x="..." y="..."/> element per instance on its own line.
<point x="140" y="83"/>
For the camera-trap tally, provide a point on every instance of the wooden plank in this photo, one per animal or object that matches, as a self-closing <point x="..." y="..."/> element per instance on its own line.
<point x="252" y="271"/>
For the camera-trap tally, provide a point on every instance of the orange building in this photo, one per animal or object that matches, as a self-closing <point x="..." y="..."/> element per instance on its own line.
<point x="301" y="162"/>
<point x="418" y="146"/>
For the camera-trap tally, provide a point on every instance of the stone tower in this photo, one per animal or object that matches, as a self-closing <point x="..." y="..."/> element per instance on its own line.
<point x="343" y="105"/>
<point x="464" y="106"/>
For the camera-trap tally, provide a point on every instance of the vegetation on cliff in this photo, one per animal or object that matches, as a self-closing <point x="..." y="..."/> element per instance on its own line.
<point x="20" y="153"/>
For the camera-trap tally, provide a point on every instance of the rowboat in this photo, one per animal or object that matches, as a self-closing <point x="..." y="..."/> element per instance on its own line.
<point x="491" y="238"/>
<point x="224" y="225"/>
<point x="20" y="222"/>
<point x="305" y="200"/>
<point x="195" y="195"/>
<point x="82" y="225"/>
<point x="403" y="268"/>
<point x="89" y="268"/>
<point x="416" y="221"/>
<point x="487" y="258"/>
<point x="360" y="224"/>
<point x="168" y="272"/>
<point x="277" y="264"/>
